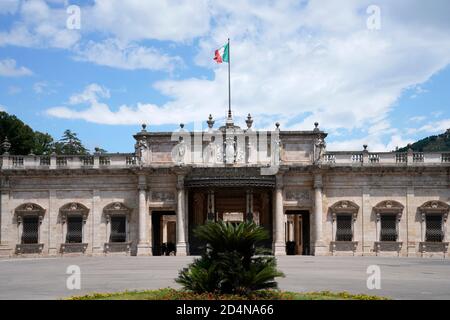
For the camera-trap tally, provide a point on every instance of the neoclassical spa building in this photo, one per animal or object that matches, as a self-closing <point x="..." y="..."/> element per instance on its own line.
<point x="148" y="202"/>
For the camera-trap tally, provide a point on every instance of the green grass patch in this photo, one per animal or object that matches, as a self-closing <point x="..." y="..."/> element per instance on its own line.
<point x="172" y="294"/>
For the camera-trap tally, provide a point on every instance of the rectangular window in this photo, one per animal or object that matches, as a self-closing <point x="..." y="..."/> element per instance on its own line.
<point x="74" y="230"/>
<point x="30" y="233"/>
<point x="344" y="230"/>
<point x="118" y="229"/>
<point x="388" y="230"/>
<point x="434" y="231"/>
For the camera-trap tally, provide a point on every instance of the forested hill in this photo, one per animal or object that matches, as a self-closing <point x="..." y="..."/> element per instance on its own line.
<point x="439" y="143"/>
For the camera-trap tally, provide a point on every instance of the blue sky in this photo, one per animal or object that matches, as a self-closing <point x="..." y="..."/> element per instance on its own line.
<point x="295" y="62"/>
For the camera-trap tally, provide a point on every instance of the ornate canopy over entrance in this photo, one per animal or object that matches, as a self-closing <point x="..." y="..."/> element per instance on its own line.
<point x="228" y="177"/>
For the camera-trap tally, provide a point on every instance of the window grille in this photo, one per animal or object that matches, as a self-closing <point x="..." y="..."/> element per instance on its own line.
<point x="388" y="230"/>
<point x="118" y="229"/>
<point x="74" y="230"/>
<point x="30" y="232"/>
<point x="344" y="230"/>
<point x="434" y="231"/>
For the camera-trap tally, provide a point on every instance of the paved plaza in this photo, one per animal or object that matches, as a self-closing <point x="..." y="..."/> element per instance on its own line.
<point x="401" y="278"/>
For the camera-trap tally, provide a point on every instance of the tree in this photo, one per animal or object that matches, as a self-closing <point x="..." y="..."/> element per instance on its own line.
<point x="43" y="143"/>
<point x="69" y="144"/>
<point x="229" y="265"/>
<point x="21" y="136"/>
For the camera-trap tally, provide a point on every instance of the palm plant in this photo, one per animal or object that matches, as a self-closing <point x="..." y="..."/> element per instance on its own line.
<point x="229" y="264"/>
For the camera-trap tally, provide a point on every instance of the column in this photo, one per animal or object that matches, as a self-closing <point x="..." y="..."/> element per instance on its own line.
<point x="279" y="245"/>
<point x="6" y="228"/>
<point x="369" y="232"/>
<point x="164" y="231"/>
<point x="211" y="215"/>
<point x="319" y="246"/>
<point x="181" y="218"/>
<point x="143" y="248"/>
<point x="291" y="231"/>
<point x="249" y="206"/>
<point x="95" y="220"/>
<point x="52" y="218"/>
<point x="411" y="241"/>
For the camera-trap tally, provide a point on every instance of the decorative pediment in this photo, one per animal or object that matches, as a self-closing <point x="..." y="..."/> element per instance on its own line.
<point x="344" y="207"/>
<point x="434" y="207"/>
<point x="389" y="206"/>
<point x="116" y="208"/>
<point x="73" y="208"/>
<point x="29" y="209"/>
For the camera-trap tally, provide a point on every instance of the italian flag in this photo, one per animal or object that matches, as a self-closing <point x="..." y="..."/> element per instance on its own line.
<point x="222" y="54"/>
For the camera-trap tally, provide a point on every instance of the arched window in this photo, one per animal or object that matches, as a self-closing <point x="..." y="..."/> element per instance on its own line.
<point x="344" y="214"/>
<point x="73" y="217"/>
<point x="434" y="217"/>
<point x="389" y="214"/>
<point x="117" y="217"/>
<point x="29" y="217"/>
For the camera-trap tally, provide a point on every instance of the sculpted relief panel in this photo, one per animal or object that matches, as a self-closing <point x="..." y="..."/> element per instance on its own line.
<point x="297" y="152"/>
<point x="298" y="197"/>
<point x="163" y="196"/>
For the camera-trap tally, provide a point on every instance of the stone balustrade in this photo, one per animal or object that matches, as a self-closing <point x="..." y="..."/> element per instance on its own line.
<point x="126" y="160"/>
<point x="386" y="158"/>
<point x="68" y="162"/>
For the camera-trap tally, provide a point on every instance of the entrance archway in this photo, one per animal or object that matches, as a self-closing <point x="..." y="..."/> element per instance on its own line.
<point x="164" y="233"/>
<point x="298" y="232"/>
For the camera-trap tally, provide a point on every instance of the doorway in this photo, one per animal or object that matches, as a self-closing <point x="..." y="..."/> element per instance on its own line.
<point x="164" y="233"/>
<point x="297" y="233"/>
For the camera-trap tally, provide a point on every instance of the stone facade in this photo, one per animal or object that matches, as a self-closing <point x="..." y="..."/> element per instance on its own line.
<point x="312" y="201"/>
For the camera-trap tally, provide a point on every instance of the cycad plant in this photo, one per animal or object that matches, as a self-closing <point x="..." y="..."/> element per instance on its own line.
<point x="233" y="262"/>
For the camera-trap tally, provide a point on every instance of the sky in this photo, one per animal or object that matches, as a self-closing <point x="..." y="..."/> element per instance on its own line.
<point x="370" y="72"/>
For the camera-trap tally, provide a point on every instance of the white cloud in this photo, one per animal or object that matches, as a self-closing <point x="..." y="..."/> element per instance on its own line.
<point x="113" y="53"/>
<point x="91" y="94"/>
<point x="40" y="87"/>
<point x="40" y="26"/>
<point x="45" y="88"/>
<point x="374" y="142"/>
<point x="435" y="126"/>
<point x="9" y="68"/>
<point x="289" y="59"/>
<point x="9" y="6"/>
<point x="418" y="119"/>
<point x="2" y="108"/>
<point x="156" y="19"/>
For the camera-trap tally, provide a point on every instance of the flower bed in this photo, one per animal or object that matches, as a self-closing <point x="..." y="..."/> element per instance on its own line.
<point x="172" y="294"/>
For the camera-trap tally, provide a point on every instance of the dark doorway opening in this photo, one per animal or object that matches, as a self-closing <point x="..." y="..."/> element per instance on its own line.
<point x="298" y="233"/>
<point x="163" y="233"/>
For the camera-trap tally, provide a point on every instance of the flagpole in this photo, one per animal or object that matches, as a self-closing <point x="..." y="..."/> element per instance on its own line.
<point x="229" y="81"/>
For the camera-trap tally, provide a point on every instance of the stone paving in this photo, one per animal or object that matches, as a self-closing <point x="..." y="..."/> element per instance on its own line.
<point x="401" y="278"/>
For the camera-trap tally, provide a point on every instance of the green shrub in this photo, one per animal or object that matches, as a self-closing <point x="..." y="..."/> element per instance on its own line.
<point x="229" y="265"/>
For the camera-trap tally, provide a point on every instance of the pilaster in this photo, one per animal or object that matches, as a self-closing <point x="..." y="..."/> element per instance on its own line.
<point x="144" y="247"/>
